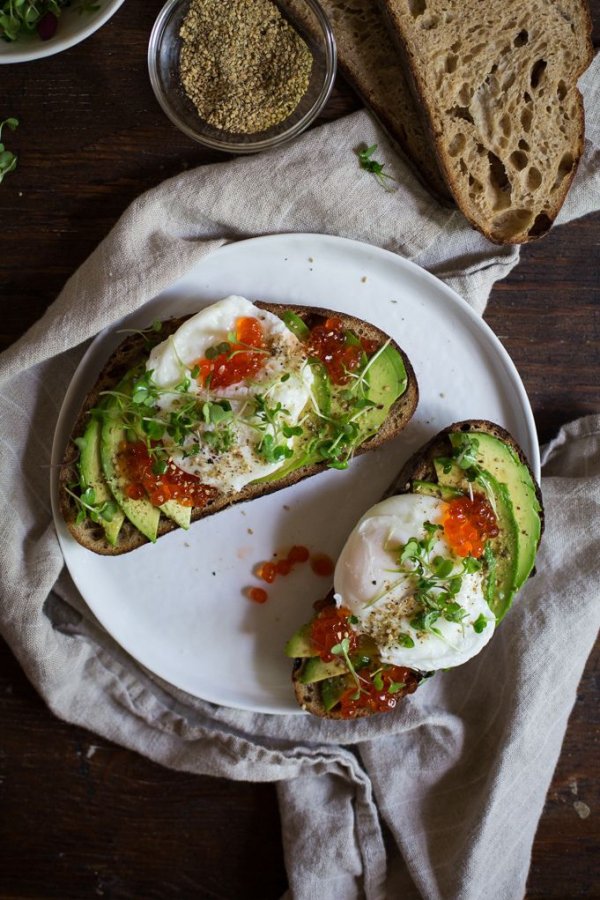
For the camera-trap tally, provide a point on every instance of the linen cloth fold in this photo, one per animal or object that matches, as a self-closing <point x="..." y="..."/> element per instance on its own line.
<point x="449" y="788"/>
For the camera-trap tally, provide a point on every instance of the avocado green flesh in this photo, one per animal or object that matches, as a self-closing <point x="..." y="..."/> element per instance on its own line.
<point x="300" y="645"/>
<point x="141" y="513"/>
<point x="505" y="546"/>
<point x="386" y="381"/>
<point x="433" y="489"/>
<point x="316" y="669"/>
<point x="500" y="460"/>
<point x="333" y="689"/>
<point x="90" y="467"/>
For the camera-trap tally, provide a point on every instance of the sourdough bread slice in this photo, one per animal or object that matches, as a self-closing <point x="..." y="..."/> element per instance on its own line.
<point x="133" y="351"/>
<point x="498" y="86"/>
<point x="419" y="467"/>
<point x="368" y="59"/>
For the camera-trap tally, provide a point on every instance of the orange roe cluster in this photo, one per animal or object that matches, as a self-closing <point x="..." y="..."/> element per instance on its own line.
<point x="328" y="628"/>
<point x="339" y="354"/>
<point x="135" y="464"/>
<point x="237" y="361"/>
<point x="468" y="524"/>
<point x="380" y="699"/>
<point x="321" y="564"/>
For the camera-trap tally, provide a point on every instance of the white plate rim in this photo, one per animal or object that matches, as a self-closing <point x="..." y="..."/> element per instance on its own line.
<point x="57" y="44"/>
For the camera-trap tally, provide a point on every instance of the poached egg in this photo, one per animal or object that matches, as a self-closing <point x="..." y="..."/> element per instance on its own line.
<point x="379" y="591"/>
<point x="285" y="378"/>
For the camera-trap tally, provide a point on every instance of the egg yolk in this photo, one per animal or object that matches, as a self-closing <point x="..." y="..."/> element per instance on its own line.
<point x="468" y="524"/>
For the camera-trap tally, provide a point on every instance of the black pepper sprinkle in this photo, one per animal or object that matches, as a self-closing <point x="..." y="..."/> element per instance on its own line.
<point x="242" y="64"/>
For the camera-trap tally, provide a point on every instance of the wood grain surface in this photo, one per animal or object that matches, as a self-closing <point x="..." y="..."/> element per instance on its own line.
<point x="80" y="817"/>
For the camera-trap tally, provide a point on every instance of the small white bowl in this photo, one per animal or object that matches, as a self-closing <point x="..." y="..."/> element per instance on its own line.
<point x="73" y="27"/>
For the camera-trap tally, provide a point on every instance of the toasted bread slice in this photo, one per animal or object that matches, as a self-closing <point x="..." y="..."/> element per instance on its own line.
<point x="418" y="468"/>
<point x="134" y="350"/>
<point x="498" y="87"/>
<point x="368" y="59"/>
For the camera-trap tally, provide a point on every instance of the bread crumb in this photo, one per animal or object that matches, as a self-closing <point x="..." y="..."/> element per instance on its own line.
<point x="250" y="531"/>
<point x="582" y="809"/>
<point x="364" y="279"/>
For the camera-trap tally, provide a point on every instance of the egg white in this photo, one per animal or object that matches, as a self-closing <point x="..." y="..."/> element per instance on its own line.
<point x="172" y="360"/>
<point x="383" y="599"/>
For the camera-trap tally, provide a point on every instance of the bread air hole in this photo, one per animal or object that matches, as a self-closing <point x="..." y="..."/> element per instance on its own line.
<point x="565" y="166"/>
<point x="416" y="8"/>
<point x="475" y="186"/>
<point x="561" y="90"/>
<point x="451" y="63"/>
<point x="499" y="182"/>
<point x="537" y="73"/>
<point x="518" y="159"/>
<point x="521" y="39"/>
<point x="526" y="119"/>
<point x="534" y="178"/>
<point x="513" y="222"/>
<point x="540" y="226"/>
<point x="523" y="145"/>
<point x="461" y="112"/>
<point x="457" y="144"/>
<point x="505" y="125"/>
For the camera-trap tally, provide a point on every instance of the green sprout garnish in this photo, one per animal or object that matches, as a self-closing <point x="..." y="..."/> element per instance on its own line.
<point x="366" y="162"/>
<point x="8" y="160"/>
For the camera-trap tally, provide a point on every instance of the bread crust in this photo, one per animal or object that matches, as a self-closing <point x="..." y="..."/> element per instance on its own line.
<point x="511" y="192"/>
<point x="132" y="350"/>
<point x="420" y="467"/>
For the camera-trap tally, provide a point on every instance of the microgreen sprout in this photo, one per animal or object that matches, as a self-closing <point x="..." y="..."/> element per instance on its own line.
<point x="8" y="160"/>
<point x="366" y="162"/>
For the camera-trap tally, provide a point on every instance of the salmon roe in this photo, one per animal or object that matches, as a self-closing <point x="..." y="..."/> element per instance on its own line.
<point x="379" y="699"/>
<point x="238" y="360"/>
<point x="328" y="628"/>
<point x="136" y="463"/>
<point x="329" y="342"/>
<point x="468" y="524"/>
<point x="322" y="565"/>
<point x="257" y="595"/>
<point x="268" y="571"/>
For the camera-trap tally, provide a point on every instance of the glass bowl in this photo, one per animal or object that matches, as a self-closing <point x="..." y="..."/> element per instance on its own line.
<point x="163" y="65"/>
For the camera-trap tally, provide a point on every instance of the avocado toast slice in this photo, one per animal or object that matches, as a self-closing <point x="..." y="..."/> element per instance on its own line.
<point x="469" y="462"/>
<point x="378" y="410"/>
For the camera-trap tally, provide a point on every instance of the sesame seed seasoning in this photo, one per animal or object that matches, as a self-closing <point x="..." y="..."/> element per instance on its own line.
<point x="242" y="65"/>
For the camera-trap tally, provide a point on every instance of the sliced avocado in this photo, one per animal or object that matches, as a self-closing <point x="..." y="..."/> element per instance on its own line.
<point x="90" y="468"/>
<point x="296" y="325"/>
<point x="321" y="386"/>
<point x="141" y="513"/>
<point x="387" y="380"/>
<point x="333" y="689"/>
<point x="300" y="644"/>
<point x="315" y="669"/>
<point x="181" y="515"/>
<point x="501" y="461"/>
<point x="505" y="546"/>
<point x="431" y="489"/>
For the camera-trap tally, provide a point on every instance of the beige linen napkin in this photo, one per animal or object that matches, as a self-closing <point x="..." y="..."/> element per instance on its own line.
<point x="459" y="773"/>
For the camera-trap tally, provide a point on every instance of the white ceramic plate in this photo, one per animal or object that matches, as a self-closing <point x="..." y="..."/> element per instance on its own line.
<point x="73" y="27"/>
<point x="178" y="606"/>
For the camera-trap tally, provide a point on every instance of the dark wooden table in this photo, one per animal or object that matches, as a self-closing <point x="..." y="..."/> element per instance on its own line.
<point x="82" y="818"/>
